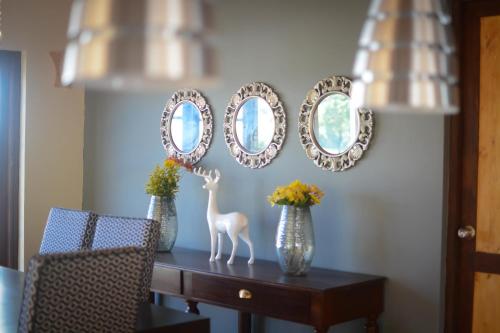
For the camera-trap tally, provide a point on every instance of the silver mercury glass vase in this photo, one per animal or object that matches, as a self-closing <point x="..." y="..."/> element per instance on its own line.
<point x="163" y="210"/>
<point x="295" y="240"/>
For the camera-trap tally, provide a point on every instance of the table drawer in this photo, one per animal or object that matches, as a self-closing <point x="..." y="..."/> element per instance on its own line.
<point x="273" y="301"/>
<point x="166" y="280"/>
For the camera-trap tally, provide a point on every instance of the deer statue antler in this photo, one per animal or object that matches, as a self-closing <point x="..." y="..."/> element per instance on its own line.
<point x="199" y="171"/>
<point x="217" y="176"/>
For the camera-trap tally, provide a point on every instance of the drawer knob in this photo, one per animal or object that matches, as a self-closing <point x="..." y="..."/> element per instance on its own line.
<point x="245" y="294"/>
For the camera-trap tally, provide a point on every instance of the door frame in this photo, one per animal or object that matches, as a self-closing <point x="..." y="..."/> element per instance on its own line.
<point x="460" y="170"/>
<point x="9" y="180"/>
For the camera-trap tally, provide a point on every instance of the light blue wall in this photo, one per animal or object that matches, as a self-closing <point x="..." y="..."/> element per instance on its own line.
<point x="381" y="217"/>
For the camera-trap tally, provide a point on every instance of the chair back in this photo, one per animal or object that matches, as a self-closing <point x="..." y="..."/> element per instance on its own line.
<point x="87" y="291"/>
<point x="113" y="231"/>
<point x="68" y="230"/>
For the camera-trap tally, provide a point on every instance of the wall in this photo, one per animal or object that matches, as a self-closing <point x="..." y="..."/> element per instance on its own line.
<point x="381" y="217"/>
<point x="52" y="118"/>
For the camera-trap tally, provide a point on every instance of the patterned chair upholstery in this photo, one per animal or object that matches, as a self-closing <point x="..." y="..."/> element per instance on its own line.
<point x="87" y="291"/>
<point x="68" y="230"/>
<point x="113" y="232"/>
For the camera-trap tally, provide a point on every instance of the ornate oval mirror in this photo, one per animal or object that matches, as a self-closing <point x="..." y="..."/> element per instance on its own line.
<point x="333" y="133"/>
<point x="335" y="123"/>
<point x="254" y="125"/>
<point x="186" y="126"/>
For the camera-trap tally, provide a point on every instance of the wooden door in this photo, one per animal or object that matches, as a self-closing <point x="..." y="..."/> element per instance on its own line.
<point x="473" y="256"/>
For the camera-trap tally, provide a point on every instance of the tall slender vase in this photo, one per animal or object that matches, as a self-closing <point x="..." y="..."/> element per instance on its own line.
<point x="163" y="210"/>
<point x="295" y="240"/>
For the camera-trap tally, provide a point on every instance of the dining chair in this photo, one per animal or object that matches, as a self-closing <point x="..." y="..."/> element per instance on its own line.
<point x="68" y="230"/>
<point x="115" y="231"/>
<point x="86" y="291"/>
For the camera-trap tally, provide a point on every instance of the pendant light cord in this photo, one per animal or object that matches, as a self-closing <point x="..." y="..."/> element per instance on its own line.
<point x="1" y="33"/>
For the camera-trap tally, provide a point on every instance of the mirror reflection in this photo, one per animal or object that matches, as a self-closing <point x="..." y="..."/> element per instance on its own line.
<point x="186" y="127"/>
<point x="335" y="123"/>
<point x="254" y="125"/>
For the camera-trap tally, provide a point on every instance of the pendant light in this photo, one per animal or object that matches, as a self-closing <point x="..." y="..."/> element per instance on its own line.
<point x="137" y="44"/>
<point x="406" y="59"/>
<point x="1" y="33"/>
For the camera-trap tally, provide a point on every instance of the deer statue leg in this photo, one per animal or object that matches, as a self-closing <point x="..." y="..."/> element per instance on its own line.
<point x="213" y="242"/>
<point x="246" y="238"/>
<point x="234" y="240"/>
<point x="220" y="237"/>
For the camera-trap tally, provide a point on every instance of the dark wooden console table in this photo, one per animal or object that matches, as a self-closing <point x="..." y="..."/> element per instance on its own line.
<point x="320" y="299"/>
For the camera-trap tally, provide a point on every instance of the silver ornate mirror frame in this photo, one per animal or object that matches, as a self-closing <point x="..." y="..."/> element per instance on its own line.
<point x="180" y="96"/>
<point x="242" y="156"/>
<point x="323" y="159"/>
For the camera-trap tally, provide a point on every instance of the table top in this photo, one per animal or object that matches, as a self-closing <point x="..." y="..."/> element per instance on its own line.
<point x="151" y="317"/>
<point x="267" y="272"/>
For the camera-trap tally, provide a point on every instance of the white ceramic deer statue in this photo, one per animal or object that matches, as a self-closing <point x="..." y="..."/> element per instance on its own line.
<point x="234" y="224"/>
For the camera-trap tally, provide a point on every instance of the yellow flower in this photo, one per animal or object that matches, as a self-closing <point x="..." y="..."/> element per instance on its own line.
<point x="315" y="199"/>
<point x="296" y="194"/>
<point x="169" y="164"/>
<point x="164" y="182"/>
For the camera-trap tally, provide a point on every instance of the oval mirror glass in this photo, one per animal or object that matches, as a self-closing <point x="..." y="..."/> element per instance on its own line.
<point x="254" y="125"/>
<point x="186" y="127"/>
<point x="335" y="123"/>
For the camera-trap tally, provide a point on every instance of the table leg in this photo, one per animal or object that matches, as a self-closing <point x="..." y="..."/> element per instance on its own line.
<point x="244" y="322"/>
<point x="192" y="307"/>
<point x="158" y="299"/>
<point x="151" y="297"/>
<point x="371" y="325"/>
<point x="320" y="330"/>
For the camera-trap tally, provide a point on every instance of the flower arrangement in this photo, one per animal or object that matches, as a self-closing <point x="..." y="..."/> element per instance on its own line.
<point x="296" y="194"/>
<point x="164" y="181"/>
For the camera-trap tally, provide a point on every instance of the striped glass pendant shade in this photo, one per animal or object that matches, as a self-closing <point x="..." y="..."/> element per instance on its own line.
<point x="137" y="44"/>
<point x="406" y="60"/>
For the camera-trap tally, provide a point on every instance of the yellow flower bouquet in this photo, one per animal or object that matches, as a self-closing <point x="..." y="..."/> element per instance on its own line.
<point x="295" y="234"/>
<point x="296" y="194"/>
<point x="164" y="181"/>
<point x="163" y="185"/>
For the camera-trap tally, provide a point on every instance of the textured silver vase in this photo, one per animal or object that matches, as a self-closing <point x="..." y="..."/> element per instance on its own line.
<point x="163" y="210"/>
<point x="295" y="240"/>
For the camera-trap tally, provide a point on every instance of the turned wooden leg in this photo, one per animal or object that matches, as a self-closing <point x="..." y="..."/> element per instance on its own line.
<point x="371" y="325"/>
<point x="244" y="322"/>
<point x="192" y="307"/>
<point x="151" y="297"/>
